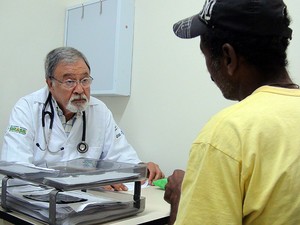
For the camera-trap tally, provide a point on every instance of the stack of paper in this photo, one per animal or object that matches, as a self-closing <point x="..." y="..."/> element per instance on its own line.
<point x="89" y="209"/>
<point x="73" y="207"/>
<point x="79" y="181"/>
<point x="25" y="171"/>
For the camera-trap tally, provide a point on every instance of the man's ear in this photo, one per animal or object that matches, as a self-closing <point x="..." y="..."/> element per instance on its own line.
<point x="49" y="83"/>
<point x="230" y="58"/>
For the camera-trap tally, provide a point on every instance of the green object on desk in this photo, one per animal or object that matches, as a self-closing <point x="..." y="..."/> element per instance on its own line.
<point x="161" y="183"/>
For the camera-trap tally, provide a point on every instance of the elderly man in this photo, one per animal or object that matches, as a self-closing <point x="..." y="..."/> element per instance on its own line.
<point x="62" y="121"/>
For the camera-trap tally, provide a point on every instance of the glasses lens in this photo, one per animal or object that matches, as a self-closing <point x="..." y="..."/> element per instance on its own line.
<point x="69" y="83"/>
<point x="86" y="82"/>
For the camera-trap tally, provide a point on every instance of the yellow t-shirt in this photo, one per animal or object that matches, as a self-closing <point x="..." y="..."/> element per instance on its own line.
<point x="244" y="167"/>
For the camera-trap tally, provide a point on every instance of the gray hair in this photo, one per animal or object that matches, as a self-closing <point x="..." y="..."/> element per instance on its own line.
<point x="62" y="54"/>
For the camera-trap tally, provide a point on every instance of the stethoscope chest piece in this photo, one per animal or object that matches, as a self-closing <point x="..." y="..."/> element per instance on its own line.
<point x="82" y="147"/>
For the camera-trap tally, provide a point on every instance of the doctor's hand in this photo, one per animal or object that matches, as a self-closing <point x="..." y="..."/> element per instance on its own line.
<point x="115" y="187"/>
<point x="173" y="192"/>
<point x="154" y="172"/>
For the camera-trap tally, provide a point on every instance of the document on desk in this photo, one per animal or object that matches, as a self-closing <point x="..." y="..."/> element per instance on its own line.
<point x="130" y="185"/>
<point x="25" y="171"/>
<point x="79" y="180"/>
<point x="17" y="200"/>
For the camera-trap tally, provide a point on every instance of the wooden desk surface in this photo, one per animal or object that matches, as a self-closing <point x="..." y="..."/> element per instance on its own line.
<point x="155" y="209"/>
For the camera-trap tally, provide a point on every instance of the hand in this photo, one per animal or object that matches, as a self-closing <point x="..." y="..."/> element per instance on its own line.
<point x="173" y="192"/>
<point x="115" y="187"/>
<point x="154" y="172"/>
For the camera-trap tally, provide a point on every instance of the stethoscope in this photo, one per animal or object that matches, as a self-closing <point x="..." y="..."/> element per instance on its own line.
<point x="82" y="147"/>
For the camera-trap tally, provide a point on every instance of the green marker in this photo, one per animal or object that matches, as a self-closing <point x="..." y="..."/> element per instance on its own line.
<point x="161" y="183"/>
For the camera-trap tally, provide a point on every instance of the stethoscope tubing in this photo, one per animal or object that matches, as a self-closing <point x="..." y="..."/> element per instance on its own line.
<point x="51" y="114"/>
<point x="82" y="147"/>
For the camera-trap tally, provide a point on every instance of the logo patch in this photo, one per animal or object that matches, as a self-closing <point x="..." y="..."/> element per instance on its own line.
<point x="118" y="132"/>
<point x="207" y="10"/>
<point x="18" y="130"/>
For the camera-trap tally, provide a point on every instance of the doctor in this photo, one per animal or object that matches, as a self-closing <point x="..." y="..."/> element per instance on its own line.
<point x="62" y="121"/>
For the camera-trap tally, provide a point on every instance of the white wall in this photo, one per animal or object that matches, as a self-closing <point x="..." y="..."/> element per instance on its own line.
<point x="29" y="30"/>
<point x="172" y="95"/>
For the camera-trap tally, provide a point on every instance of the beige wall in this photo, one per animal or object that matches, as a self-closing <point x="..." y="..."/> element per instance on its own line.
<point x="172" y="95"/>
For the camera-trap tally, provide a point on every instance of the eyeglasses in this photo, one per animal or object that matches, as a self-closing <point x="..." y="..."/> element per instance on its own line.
<point x="85" y="82"/>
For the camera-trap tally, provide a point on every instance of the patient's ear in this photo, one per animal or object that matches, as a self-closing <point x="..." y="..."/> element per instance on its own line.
<point x="230" y="58"/>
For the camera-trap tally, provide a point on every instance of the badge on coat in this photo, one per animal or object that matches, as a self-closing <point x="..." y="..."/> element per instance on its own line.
<point x="17" y="129"/>
<point x="118" y="131"/>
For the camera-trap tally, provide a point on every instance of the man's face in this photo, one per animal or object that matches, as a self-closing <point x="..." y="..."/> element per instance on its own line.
<point x="219" y="75"/>
<point x="74" y="99"/>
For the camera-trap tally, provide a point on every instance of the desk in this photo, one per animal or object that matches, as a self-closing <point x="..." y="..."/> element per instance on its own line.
<point x="156" y="212"/>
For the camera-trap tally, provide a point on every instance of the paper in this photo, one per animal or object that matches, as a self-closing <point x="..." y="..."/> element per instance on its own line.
<point x="25" y="171"/>
<point x="40" y="210"/>
<point x="130" y="185"/>
<point x="88" y="179"/>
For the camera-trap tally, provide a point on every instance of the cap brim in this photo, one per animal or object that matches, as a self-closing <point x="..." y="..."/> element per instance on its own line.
<point x="190" y="27"/>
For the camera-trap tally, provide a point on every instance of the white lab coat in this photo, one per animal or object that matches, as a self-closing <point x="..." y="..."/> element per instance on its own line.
<point x="104" y="137"/>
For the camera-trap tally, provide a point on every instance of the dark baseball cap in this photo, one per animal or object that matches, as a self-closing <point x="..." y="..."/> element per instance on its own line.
<point x="250" y="17"/>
